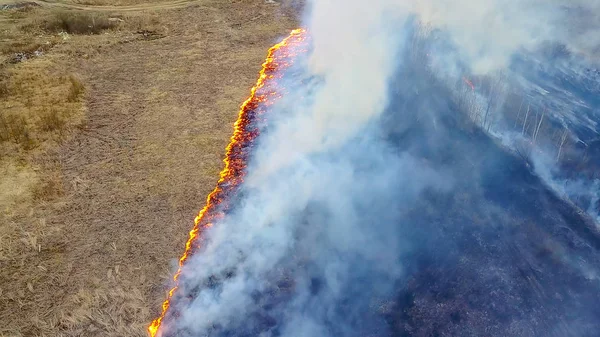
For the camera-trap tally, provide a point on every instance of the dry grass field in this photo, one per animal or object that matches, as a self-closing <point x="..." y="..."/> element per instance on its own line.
<point x="114" y="116"/>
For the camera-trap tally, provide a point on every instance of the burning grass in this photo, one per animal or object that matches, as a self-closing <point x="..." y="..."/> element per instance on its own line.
<point x="235" y="160"/>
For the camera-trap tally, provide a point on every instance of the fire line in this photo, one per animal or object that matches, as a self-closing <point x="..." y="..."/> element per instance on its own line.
<point x="261" y="95"/>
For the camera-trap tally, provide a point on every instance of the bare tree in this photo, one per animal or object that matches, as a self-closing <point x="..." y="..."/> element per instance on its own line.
<point x="492" y="99"/>
<point x="462" y="96"/>
<point x="525" y="121"/>
<point x="537" y="130"/>
<point x="562" y="142"/>
<point x="519" y="113"/>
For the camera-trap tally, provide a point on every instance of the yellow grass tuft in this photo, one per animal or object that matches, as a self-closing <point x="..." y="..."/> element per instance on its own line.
<point x="38" y="105"/>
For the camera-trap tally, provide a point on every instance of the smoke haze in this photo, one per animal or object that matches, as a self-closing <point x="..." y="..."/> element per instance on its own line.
<point x="375" y="204"/>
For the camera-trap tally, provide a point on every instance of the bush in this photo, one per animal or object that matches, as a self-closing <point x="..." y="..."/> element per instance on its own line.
<point x="77" y="23"/>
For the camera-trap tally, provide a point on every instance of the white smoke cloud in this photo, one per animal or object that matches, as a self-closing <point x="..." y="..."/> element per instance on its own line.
<point x="297" y="171"/>
<point x="354" y="54"/>
<point x="308" y="194"/>
<point x="489" y="32"/>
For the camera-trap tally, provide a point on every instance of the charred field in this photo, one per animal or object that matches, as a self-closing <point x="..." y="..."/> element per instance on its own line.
<point x="477" y="269"/>
<point x="426" y="224"/>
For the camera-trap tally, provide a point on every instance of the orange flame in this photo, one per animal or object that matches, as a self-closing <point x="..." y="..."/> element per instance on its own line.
<point x="235" y="162"/>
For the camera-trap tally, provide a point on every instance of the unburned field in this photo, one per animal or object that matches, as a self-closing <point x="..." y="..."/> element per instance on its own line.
<point x="113" y="126"/>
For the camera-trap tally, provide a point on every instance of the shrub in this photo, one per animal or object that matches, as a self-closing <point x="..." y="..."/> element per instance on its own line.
<point x="74" y="22"/>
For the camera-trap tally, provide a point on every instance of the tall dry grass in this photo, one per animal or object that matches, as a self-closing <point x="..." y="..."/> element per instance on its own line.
<point x="37" y="106"/>
<point x="69" y="21"/>
<point x="71" y="211"/>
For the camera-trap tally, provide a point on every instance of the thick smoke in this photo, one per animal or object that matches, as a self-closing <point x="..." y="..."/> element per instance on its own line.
<point x="354" y="54"/>
<point x="489" y="32"/>
<point x="315" y="215"/>
<point x="321" y="236"/>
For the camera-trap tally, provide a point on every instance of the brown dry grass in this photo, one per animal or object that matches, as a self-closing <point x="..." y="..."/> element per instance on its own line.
<point x="128" y="129"/>
<point x="38" y="105"/>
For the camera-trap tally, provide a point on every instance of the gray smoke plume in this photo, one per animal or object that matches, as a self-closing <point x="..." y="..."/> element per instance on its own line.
<point x="319" y="240"/>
